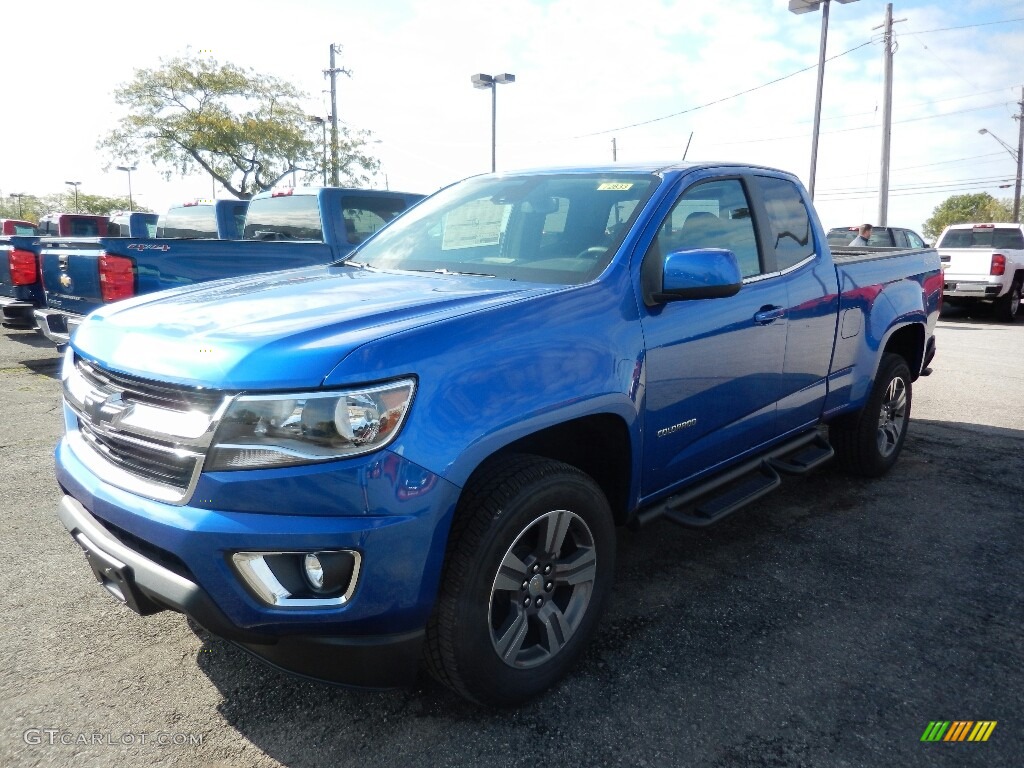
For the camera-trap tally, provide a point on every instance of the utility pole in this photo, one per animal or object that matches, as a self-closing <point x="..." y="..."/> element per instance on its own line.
<point x="333" y="74"/>
<point x="615" y="152"/>
<point x="1020" y="157"/>
<point x="890" y="49"/>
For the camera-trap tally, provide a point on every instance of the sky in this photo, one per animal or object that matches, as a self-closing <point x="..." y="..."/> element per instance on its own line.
<point x="644" y="73"/>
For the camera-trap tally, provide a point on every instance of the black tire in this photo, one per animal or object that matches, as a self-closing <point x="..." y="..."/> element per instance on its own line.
<point x="497" y="545"/>
<point x="1007" y="307"/>
<point x="868" y="442"/>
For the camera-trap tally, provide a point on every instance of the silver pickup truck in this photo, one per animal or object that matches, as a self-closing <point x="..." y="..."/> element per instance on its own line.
<point x="983" y="262"/>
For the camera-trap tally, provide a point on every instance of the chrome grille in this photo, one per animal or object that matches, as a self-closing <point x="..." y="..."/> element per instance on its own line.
<point x="151" y="461"/>
<point x="143" y="436"/>
<point x="155" y="393"/>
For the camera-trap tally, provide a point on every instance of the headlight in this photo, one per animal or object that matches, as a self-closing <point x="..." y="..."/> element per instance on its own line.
<point x="281" y="430"/>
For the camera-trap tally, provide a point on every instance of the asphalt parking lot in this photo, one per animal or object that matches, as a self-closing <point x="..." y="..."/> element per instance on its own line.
<point x="827" y="626"/>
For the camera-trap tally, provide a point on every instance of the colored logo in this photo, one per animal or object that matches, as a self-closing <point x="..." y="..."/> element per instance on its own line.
<point x="958" y="730"/>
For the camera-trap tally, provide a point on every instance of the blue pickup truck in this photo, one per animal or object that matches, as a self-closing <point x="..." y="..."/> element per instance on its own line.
<point x="421" y="453"/>
<point x="296" y="227"/>
<point x="21" y="285"/>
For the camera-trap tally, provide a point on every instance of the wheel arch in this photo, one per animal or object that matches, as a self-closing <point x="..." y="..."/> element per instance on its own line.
<point x="907" y="341"/>
<point x="600" y="445"/>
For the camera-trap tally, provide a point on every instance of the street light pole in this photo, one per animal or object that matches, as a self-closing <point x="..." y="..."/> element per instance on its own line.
<point x="75" y="185"/>
<point x="18" y="195"/>
<point x="323" y="125"/>
<point x="481" y="80"/>
<point x="128" y="169"/>
<point x="805" y="6"/>
<point x="1017" y="157"/>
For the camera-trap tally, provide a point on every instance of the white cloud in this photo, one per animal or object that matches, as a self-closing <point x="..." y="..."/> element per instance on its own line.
<point x="581" y="68"/>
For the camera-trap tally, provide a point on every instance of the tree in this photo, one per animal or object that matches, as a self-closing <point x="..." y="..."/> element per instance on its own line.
<point x="35" y="206"/>
<point x="964" y="209"/>
<point x="246" y="130"/>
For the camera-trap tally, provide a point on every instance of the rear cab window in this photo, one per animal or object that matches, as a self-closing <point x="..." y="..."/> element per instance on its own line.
<point x="284" y="217"/>
<point x="188" y="221"/>
<point x="365" y="215"/>
<point x="984" y="237"/>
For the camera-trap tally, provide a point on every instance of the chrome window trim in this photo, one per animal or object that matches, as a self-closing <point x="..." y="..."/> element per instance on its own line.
<point x="778" y="273"/>
<point x="255" y="572"/>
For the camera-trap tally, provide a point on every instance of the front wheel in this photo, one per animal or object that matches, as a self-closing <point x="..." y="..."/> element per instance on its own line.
<point x="868" y="442"/>
<point x="529" y="567"/>
<point x="1007" y="307"/>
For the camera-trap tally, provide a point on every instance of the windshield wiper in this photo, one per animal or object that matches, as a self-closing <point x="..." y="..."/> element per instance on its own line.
<point x="445" y="271"/>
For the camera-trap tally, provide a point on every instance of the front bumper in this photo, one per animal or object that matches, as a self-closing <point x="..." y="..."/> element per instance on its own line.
<point x="57" y="326"/>
<point x="157" y="556"/>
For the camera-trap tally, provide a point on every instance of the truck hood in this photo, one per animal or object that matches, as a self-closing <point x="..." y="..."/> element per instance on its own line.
<point x="280" y="330"/>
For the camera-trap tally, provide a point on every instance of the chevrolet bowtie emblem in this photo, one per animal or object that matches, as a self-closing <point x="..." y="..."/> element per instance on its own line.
<point x="65" y="281"/>
<point x="110" y="409"/>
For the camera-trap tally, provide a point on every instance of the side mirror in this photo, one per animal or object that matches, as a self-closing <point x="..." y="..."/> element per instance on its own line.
<point x="707" y="273"/>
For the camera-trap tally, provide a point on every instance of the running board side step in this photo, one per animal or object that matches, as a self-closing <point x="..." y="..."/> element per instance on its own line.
<point x="713" y="500"/>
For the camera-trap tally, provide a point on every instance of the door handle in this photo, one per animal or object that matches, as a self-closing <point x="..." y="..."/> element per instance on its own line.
<point x="769" y="314"/>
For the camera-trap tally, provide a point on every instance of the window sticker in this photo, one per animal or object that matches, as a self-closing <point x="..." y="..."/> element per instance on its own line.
<point x="614" y="186"/>
<point x="476" y="224"/>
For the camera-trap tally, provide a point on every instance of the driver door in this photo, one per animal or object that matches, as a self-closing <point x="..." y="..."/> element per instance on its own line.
<point x="713" y="366"/>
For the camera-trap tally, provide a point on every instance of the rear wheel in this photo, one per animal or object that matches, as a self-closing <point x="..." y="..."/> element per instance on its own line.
<point x="529" y="567"/>
<point x="1008" y="307"/>
<point x="869" y="442"/>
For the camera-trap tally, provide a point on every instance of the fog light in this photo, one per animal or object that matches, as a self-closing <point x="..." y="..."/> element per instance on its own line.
<point x="314" y="571"/>
<point x="300" y="579"/>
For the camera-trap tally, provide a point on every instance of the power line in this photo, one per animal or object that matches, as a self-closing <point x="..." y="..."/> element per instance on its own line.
<point x="839" y="195"/>
<point x="860" y="128"/>
<point x="927" y="165"/>
<point x="928" y="185"/>
<point x="719" y="101"/>
<point x="965" y="26"/>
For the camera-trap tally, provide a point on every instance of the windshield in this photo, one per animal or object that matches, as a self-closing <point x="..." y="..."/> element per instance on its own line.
<point x="544" y="228"/>
<point x="983" y="237"/>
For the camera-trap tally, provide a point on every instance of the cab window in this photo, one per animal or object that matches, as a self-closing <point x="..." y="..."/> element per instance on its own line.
<point x="789" y="224"/>
<point x="715" y="214"/>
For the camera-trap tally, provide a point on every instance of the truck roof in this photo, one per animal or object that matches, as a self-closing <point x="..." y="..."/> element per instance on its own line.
<point x="639" y="167"/>
<point x="310" y="191"/>
<point x="986" y="225"/>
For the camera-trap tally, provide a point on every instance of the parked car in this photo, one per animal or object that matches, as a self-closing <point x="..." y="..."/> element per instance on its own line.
<point x="983" y="263"/>
<point x="423" y="451"/>
<point x="282" y="230"/>
<point x="881" y="237"/>
<point x="17" y="227"/>
<point x="73" y="225"/>
<point x="132" y="224"/>
<point x="221" y="219"/>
